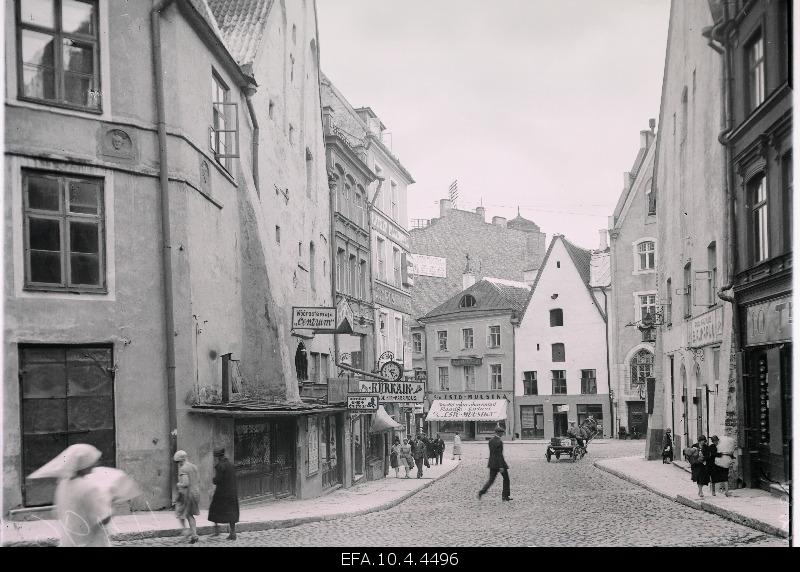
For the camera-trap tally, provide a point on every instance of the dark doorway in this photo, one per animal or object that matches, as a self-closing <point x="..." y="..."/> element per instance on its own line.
<point x="637" y="418"/>
<point x="560" y="422"/>
<point x="469" y="428"/>
<point x="67" y="397"/>
<point x="264" y="458"/>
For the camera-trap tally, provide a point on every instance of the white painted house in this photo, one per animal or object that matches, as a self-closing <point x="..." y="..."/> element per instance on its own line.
<point x="561" y="359"/>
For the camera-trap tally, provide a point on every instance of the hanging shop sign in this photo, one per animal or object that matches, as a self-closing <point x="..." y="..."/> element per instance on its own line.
<point x="362" y="402"/>
<point x="395" y="392"/>
<point x="706" y="329"/>
<point x="769" y="322"/>
<point x="318" y="319"/>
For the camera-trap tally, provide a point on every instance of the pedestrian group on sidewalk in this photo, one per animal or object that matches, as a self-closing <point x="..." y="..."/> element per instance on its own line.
<point x="710" y="463"/>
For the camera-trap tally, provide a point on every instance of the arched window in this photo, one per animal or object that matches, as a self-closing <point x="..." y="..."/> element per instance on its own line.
<point x="645" y="256"/>
<point x="556" y="317"/>
<point x="641" y="368"/>
<point x="467" y="301"/>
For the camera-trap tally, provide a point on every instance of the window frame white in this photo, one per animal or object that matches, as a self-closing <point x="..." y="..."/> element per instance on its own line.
<point x="637" y="311"/>
<point x="464" y="345"/>
<point x="490" y="335"/>
<point x="637" y="267"/>
<point x="495" y="376"/>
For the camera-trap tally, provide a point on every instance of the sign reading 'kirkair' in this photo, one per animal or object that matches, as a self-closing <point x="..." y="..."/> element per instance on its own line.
<point x="314" y="318"/>
<point x="395" y="392"/>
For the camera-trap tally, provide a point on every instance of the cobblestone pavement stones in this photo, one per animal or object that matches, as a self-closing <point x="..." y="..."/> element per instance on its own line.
<point x="554" y="504"/>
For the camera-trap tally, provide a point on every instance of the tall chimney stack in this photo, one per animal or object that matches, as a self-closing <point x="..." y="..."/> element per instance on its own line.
<point x="444" y="206"/>
<point x="481" y="212"/>
<point x="603" y="244"/>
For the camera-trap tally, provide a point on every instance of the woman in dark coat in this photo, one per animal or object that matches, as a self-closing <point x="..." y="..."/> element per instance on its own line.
<point x="225" y="502"/>
<point x="717" y="474"/>
<point x="699" y="470"/>
<point x="666" y="447"/>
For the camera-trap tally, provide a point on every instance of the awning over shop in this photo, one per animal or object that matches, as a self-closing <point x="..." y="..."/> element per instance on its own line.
<point x="468" y="410"/>
<point x="382" y="421"/>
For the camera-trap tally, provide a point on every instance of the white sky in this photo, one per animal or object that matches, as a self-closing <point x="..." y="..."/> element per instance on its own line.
<point x="536" y="103"/>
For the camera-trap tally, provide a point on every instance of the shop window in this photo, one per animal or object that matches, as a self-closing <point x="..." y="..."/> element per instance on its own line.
<point x="64" y="232"/>
<point x="529" y="383"/>
<point x="67" y="396"/>
<point x="58" y="59"/>
<point x="595" y="410"/>
<point x="490" y="426"/>
<point x="556" y="317"/>
<point x="559" y="382"/>
<point x="532" y="421"/>
<point x="558" y="352"/>
<point x="451" y="427"/>
<point x="588" y="381"/>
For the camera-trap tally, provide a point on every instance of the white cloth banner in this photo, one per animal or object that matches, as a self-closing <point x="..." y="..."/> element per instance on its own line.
<point x="468" y="410"/>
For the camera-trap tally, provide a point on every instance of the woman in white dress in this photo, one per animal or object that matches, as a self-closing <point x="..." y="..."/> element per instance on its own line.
<point x="457" y="446"/>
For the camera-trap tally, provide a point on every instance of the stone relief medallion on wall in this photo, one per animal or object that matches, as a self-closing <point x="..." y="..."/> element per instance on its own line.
<point x="205" y="176"/>
<point x="117" y="143"/>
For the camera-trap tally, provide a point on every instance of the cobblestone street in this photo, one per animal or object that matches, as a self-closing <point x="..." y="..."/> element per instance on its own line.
<point x="556" y="504"/>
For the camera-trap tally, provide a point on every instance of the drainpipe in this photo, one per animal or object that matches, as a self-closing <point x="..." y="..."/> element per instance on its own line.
<point x="608" y="362"/>
<point x="248" y="94"/>
<point x="333" y="268"/>
<point x="163" y="176"/>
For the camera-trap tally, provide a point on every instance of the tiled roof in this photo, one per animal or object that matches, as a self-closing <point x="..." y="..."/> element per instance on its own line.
<point x="489" y="296"/>
<point x="242" y="23"/>
<point x="202" y="8"/>
<point x="581" y="258"/>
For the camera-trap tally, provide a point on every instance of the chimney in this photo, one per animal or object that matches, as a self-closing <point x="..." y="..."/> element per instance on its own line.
<point x="444" y="206"/>
<point x="481" y="212"/>
<point x="603" y="244"/>
<point x="499" y="221"/>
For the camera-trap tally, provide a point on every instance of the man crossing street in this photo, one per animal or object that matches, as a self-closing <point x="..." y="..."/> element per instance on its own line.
<point x="497" y="463"/>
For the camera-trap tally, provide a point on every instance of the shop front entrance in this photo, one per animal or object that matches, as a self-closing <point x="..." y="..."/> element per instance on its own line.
<point x="560" y="422"/>
<point x="637" y="418"/>
<point x="263" y="453"/>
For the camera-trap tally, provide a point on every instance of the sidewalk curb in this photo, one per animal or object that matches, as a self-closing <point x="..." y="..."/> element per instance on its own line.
<point x="247" y="526"/>
<point x="705" y="505"/>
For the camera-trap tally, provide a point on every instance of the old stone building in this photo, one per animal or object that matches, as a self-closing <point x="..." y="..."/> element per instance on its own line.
<point x="634" y="251"/>
<point x="695" y="368"/>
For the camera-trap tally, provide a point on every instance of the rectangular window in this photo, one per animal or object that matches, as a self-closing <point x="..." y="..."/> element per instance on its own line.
<point x="353" y="282"/>
<point x="417" y="339"/>
<point x="395" y="203"/>
<point x="381" y="252"/>
<point x="647" y="305"/>
<point x="344" y="199"/>
<point x="559" y="382"/>
<point x="364" y="277"/>
<point x="687" y="290"/>
<point x="529" y="383"/>
<point x="224" y="124"/>
<point x="494" y="336"/>
<point x="588" y="381"/>
<point x="398" y="278"/>
<point x="398" y="338"/>
<point x="715" y="363"/>
<point x="469" y="377"/>
<point x="384" y="333"/>
<point x="341" y="269"/>
<point x="755" y="70"/>
<point x="646" y="255"/>
<point x="64" y="232"/>
<point x="668" y="309"/>
<point x="468" y="338"/>
<point x="712" y="273"/>
<point x="358" y="209"/>
<point x="759" y="221"/>
<point x="67" y="396"/>
<point x="496" y="373"/>
<point x="444" y="379"/>
<point x="58" y="59"/>
<point x="558" y="352"/>
<point x="532" y="421"/>
<point x="786" y="164"/>
<point x="556" y="317"/>
<point x="442" y="340"/>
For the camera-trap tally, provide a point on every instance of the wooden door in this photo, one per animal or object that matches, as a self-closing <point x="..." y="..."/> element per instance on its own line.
<point x="637" y="418"/>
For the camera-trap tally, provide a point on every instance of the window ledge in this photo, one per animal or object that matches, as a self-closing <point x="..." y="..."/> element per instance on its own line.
<point x="52" y="290"/>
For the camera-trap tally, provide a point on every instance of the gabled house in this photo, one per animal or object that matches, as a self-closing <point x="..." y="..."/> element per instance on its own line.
<point x="470" y="341"/>
<point x="561" y="345"/>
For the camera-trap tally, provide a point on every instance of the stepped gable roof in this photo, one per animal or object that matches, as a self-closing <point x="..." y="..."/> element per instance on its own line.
<point x="242" y="24"/>
<point x="491" y="295"/>
<point x="581" y="259"/>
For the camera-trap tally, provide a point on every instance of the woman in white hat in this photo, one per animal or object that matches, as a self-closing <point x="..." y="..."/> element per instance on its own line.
<point x="187" y="505"/>
<point x="84" y="507"/>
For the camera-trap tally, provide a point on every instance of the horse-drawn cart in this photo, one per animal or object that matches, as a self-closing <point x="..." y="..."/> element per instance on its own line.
<point x="575" y="444"/>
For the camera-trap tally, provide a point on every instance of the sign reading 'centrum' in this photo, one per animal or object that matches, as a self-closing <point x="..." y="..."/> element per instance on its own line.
<point x="322" y="318"/>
